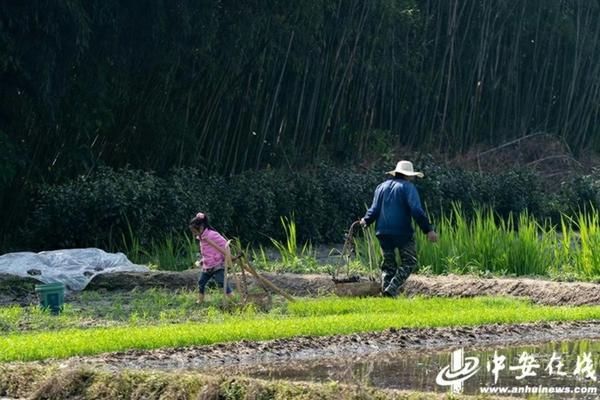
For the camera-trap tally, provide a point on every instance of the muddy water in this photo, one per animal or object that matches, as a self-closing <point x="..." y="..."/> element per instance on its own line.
<point x="418" y="371"/>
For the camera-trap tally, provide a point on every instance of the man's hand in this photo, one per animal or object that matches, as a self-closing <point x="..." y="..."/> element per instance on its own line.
<point x="432" y="236"/>
<point x="363" y="223"/>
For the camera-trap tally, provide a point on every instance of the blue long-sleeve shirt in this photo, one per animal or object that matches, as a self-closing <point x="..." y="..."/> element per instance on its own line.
<point x="394" y="203"/>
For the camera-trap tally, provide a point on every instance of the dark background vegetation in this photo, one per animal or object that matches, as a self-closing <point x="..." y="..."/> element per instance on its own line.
<point x="118" y="114"/>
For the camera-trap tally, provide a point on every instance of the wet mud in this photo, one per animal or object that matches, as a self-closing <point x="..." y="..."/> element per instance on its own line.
<point x="247" y="353"/>
<point x="419" y="371"/>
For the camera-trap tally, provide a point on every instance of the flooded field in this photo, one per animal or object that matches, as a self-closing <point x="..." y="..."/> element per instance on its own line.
<point x="564" y="367"/>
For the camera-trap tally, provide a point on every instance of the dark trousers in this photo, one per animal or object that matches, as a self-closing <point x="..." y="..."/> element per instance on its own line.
<point x="393" y="275"/>
<point x="218" y="274"/>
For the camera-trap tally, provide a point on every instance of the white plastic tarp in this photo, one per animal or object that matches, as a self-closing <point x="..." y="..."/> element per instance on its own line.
<point x="73" y="267"/>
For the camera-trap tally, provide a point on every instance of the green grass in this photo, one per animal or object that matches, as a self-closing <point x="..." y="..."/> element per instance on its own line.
<point x="293" y="257"/>
<point x="484" y="244"/>
<point x="91" y="309"/>
<point x="518" y="246"/>
<point x="306" y="317"/>
<point x="174" y="252"/>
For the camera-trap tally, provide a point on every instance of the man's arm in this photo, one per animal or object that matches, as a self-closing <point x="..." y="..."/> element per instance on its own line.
<point x="416" y="210"/>
<point x="373" y="212"/>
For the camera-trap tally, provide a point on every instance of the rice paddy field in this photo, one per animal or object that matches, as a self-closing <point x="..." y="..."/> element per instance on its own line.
<point x="315" y="317"/>
<point x="487" y="282"/>
<point x="78" y="348"/>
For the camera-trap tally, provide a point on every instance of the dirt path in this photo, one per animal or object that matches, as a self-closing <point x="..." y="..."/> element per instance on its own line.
<point x="306" y="348"/>
<point x="539" y="291"/>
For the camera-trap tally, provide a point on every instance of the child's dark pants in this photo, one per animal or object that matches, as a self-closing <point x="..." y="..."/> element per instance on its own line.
<point x="218" y="274"/>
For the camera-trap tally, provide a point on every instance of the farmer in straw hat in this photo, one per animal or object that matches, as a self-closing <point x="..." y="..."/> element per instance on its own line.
<point x="396" y="200"/>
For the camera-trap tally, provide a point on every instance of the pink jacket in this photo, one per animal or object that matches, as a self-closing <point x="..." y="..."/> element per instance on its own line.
<point x="211" y="257"/>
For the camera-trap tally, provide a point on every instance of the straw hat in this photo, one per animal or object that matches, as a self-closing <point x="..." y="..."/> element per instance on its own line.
<point x="405" y="168"/>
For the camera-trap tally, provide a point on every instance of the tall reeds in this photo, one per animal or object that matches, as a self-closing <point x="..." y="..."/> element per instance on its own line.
<point x="483" y="244"/>
<point x="518" y="245"/>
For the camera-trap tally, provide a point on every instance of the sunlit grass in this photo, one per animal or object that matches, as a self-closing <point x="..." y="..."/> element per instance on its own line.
<point x="519" y="246"/>
<point x="306" y="317"/>
<point x="93" y="309"/>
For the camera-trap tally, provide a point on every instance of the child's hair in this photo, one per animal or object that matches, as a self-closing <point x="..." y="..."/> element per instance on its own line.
<point x="199" y="221"/>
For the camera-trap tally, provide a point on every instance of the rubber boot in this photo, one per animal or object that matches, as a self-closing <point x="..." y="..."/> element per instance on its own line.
<point x="397" y="281"/>
<point x="389" y="269"/>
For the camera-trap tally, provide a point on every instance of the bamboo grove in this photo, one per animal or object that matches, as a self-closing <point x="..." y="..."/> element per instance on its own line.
<point x="227" y="85"/>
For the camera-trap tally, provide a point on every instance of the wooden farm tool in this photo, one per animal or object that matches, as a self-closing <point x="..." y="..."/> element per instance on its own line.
<point x="346" y="253"/>
<point x="245" y="265"/>
<point x="352" y="285"/>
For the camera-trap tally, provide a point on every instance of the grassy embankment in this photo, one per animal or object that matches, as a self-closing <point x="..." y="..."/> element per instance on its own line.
<point x="319" y="317"/>
<point x="47" y="382"/>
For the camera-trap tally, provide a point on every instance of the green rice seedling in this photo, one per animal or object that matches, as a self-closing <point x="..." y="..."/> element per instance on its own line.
<point x="237" y="248"/>
<point x="137" y="307"/>
<point x="575" y="253"/>
<point x="312" y="317"/>
<point x="565" y="248"/>
<point x="487" y="244"/>
<point x="456" y="250"/>
<point x="173" y="253"/>
<point x="531" y="248"/>
<point x="10" y="318"/>
<point x="586" y="259"/>
<point x="490" y="241"/>
<point x="132" y="246"/>
<point x="288" y="250"/>
<point x="149" y="303"/>
<point x="90" y="295"/>
<point x="165" y="254"/>
<point x="589" y="231"/>
<point x="260" y="258"/>
<point x="338" y="306"/>
<point x="294" y="258"/>
<point x="430" y="257"/>
<point x="118" y="311"/>
<point x="190" y="251"/>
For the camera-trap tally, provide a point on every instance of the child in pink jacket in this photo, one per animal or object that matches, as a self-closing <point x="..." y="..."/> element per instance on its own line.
<point x="215" y="253"/>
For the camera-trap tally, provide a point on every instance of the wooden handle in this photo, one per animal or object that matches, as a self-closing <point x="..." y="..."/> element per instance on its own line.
<point x="246" y="265"/>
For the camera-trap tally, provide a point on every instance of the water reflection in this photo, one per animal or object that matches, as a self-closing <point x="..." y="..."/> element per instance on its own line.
<point x="566" y="364"/>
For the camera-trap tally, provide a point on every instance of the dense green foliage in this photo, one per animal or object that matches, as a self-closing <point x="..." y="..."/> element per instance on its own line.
<point x="320" y="317"/>
<point x="227" y="86"/>
<point x="100" y="209"/>
<point x="521" y="229"/>
<point x="113" y="208"/>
